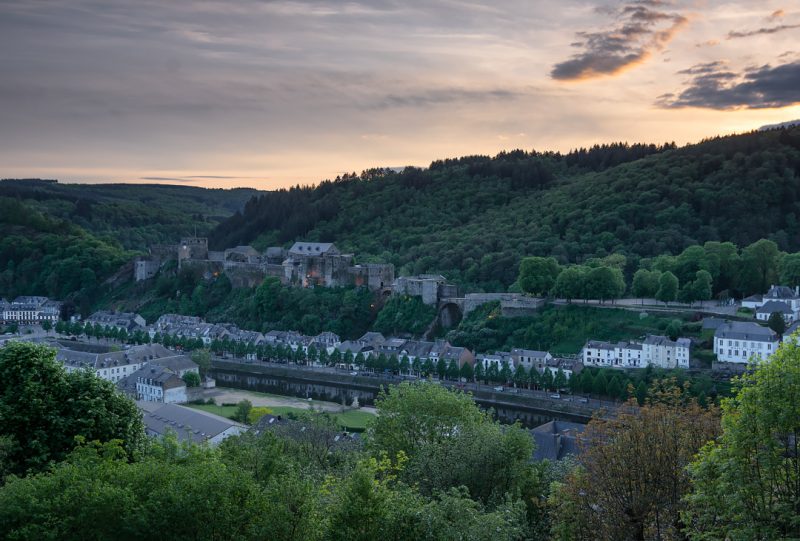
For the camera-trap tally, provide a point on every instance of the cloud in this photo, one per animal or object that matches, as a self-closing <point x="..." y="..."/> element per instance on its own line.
<point x="766" y="30"/>
<point x="641" y="30"/>
<point x="714" y="86"/>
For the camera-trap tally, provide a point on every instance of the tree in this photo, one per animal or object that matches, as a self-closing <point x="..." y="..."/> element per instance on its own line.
<point x="413" y="415"/>
<point x="667" y="288"/>
<point x="777" y="323"/>
<point x="537" y="275"/>
<point x="587" y="381"/>
<point x="520" y="375"/>
<point x="746" y="484"/>
<point x="673" y="329"/>
<point x="43" y="409"/>
<point x="47" y="326"/>
<point x="441" y="368"/>
<point x="789" y="269"/>
<point x="600" y="383"/>
<point x="759" y="266"/>
<point x="452" y="370"/>
<point x="479" y="372"/>
<point x="466" y="372"/>
<point x="604" y="283"/>
<point x="546" y="379"/>
<point x="614" y="387"/>
<point x="243" y="409"/>
<point x="633" y="474"/>
<point x="645" y="283"/>
<point x="202" y="357"/>
<point x="560" y="379"/>
<point x="192" y="379"/>
<point x="505" y="373"/>
<point x="570" y="283"/>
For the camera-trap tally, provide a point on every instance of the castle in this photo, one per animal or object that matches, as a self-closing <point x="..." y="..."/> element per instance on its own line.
<point x="305" y="264"/>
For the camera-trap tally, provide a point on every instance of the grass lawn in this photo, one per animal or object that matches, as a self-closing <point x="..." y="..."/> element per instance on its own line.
<point x="353" y="420"/>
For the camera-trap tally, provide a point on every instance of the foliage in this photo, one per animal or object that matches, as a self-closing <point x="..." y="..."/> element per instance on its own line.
<point x="537" y="275"/>
<point x="191" y="379"/>
<point x="474" y="218"/>
<point x="243" y="409"/>
<point x="136" y="216"/>
<point x="746" y="485"/>
<point x="404" y="314"/>
<point x="43" y="409"/>
<point x="632" y="474"/>
<point x="777" y="323"/>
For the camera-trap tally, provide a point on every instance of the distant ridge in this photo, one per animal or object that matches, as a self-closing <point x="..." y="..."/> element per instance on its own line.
<point x="787" y="124"/>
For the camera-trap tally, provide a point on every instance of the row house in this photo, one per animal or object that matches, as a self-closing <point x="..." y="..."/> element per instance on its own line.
<point x="656" y="350"/>
<point x="128" y="321"/>
<point x="30" y="310"/>
<point x="738" y="342"/>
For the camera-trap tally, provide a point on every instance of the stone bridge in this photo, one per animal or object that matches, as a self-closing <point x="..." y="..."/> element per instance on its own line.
<point x="451" y="310"/>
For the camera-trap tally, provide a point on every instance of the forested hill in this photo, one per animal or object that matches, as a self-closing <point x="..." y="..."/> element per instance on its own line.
<point x="135" y="215"/>
<point x="474" y="218"/>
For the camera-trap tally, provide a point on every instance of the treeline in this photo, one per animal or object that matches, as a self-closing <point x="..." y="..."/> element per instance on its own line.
<point x="472" y="218"/>
<point x="432" y="466"/>
<point x="714" y="270"/>
<point x="40" y="255"/>
<point x="136" y="216"/>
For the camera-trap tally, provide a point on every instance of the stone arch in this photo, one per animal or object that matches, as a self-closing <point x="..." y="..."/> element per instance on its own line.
<point x="450" y="315"/>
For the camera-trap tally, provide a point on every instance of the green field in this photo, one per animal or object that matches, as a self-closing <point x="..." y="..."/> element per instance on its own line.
<point x="353" y="420"/>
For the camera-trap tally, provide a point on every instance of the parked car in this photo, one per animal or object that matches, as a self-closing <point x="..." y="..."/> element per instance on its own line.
<point x="555" y="395"/>
<point x="353" y="373"/>
<point x="498" y="388"/>
<point x="583" y="399"/>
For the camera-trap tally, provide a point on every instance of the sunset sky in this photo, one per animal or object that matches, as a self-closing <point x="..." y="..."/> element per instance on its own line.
<point x="274" y="93"/>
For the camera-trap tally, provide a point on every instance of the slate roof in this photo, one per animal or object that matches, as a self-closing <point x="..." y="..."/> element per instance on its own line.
<point x="780" y="292"/>
<point x="187" y="423"/>
<point x="771" y="307"/>
<point x="313" y="248"/>
<point x="740" y="330"/>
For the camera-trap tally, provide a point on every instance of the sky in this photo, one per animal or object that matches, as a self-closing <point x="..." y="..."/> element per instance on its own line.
<point x="269" y="94"/>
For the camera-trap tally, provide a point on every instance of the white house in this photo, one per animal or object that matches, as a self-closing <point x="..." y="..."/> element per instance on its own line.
<point x="655" y="350"/>
<point x="30" y="310"/>
<point x="154" y="383"/>
<point x="530" y="358"/>
<point x="764" y="312"/>
<point x="662" y="352"/>
<point x="737" y="342"/>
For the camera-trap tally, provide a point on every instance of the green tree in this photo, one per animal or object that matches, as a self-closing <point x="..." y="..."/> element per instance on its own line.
<point x="673" y="329"/>
<point x="777" y="323"/>
<point x="570" y="283"/>
<point x="243" y="409"/>
<point x="413" y="415"/>
<point x="537" y="275"/>
<point x="641" y="393"/>
<point x="667" y="287"/>
<point x="645" y="283"/>
<point x="43" y="409"/>
<point x="47" y="326"/>
<point x="604" y="283"/>
<point x="441" y="368"/>
<point x="505" y="373"/>
<point x="746" y="484"/>
<point x="759" y="266"/>
<point x="192" y="379"/>
<point x="202" y="357"/>
<point x="452" y="370"/>
<point x="520" y="375"/>
<point x="789" y="269"/>
<point x="466" y="372"/>
<point x="600" y="384"/>
<point x="560" y="379"/>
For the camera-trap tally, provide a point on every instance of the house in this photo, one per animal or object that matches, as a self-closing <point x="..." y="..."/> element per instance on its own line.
<point x="662" y="352"/>
<point x="737" y="342"/>
<point x="327" y="341"/>
<point x="764" y="312"/>
<point x="753" y="302"/>
<point x="372" y="339"/>
<point x="556" y="440"/>
<point x="30" y="310"/>
<point x="156" y="383"/>
<point x="187" y="423"/>
<point x="530" y="358"/>
<point x="655" y="350"/>
<point x="128" y="321"/>
<point x="497" y="360"/>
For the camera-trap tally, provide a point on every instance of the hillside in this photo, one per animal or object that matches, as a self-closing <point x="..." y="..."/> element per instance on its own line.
<point x="474" y="218"/>
<point x="136" y="215"/>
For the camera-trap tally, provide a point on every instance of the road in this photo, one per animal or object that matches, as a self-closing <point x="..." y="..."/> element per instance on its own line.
<point x="711" y="307"/>
<point x="582" y="400"/>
